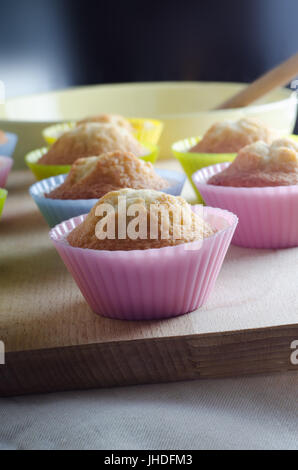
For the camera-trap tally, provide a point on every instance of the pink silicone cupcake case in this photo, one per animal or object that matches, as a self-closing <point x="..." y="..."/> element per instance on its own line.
<point x="268" y="217"/>
<point x="5" y="167"/>
<point x="148" y="284"/>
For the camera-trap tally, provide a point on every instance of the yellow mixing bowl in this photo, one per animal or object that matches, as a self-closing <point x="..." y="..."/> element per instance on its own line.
<point x="45" y="171"/>
<point x="185" y="108"/>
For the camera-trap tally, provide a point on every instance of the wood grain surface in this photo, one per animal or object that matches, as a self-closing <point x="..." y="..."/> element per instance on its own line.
<point x="53" y="341"/>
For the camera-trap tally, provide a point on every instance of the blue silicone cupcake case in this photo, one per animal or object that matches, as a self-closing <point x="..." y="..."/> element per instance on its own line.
<point x="7" y="149"/>
<point x="56" y="211"/>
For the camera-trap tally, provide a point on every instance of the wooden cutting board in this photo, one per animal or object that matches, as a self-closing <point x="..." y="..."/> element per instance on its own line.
<point x="53" y="341"/>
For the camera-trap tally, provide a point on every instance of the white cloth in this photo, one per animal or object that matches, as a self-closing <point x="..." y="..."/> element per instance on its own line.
<point x="242" y="413"/>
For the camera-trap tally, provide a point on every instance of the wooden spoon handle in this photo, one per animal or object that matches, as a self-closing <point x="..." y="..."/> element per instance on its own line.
<point x="279" y="76"/>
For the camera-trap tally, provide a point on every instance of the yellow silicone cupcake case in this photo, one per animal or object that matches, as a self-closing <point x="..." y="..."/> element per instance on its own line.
<point x="191" y="162"/>
<point x="145" y="130"/>
<point x="46" y="171"/>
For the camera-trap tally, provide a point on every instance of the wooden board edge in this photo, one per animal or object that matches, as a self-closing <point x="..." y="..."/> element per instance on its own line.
<point x="177" y="358"/>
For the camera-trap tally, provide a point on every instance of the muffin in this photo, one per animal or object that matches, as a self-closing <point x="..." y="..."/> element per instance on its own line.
<point x="143" y="129"/>
<point x="92" y="177"/>
<point x="139" y="220"/>
<point x="261" y="188"/>
<point x="3" y="137"/>
<point x="131" y="281"/>
<point x="230" y="137"/>
<point x="114" y="119"/>
<point x="260" y="165"/>
<point x="91" y="139"/>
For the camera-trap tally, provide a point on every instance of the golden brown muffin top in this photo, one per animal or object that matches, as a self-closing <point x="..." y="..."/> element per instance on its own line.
<point x="139" y="220"/>
<point x="92" y="177"/>
<point x="114" y="119"/>
<point x="260" y="165"/>
<point x="3" y="138"/>
<point x="91" y="139"/>
<point x="230" y="137"/>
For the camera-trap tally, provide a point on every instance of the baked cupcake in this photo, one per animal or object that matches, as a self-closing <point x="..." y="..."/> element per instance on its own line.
<point x="91" y="139"/>
<point x="142" y="254"/>
<point x="220" y="144"/>
<point x="261" y="165"/>
<point x="114" y="119"/>
<point x="64" y="196"/>
<point x="261" y="187"/>
<point x="188" y="227"/>
<point x="144" y="130"/>
<point x="230" y="136"/>
<point x="92" y="177"/>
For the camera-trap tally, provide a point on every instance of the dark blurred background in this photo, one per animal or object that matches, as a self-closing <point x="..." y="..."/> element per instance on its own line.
<point x="49" y="44"/>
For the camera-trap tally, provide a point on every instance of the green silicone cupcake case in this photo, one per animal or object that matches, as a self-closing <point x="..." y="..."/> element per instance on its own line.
<point x="46" y="171"/>
<point x="43" y="171"/>
<point x="191" y="162"/>
<point x="294" y="137"/>
<point x="3" y="195"/>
